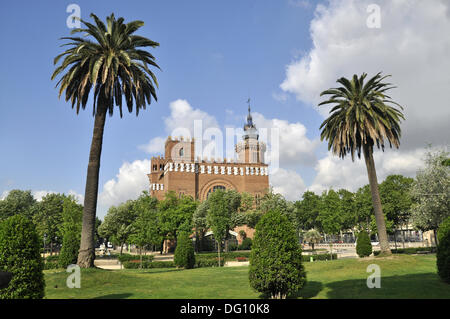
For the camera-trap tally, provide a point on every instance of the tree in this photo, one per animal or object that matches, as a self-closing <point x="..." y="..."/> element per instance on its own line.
<point x="312" y="237"/>
<point x="363" y="208"/>
<point x="145" y="229"/>
<point x="72" y="215"/>
<point x="308" y="210"/>
<point x="184" y="256"/>
<point x="347" y="209"/>
<point x="396" y="200"/>
<point x="48" y="218"/>
<point x="360" y="119"/>
<point x="117" y="225"/>
<point x="276" y="259"/>
<point x="112" y="64"/>
<point x="200" y="224"/>
<point x="363" y="244"/>
<point x="17" y="202"/>
<point x="272" y="201"/>
<point x="219" y="217"/>
<point x="175" y="214"/>
<point x="431" y="192"/>
<point x="20" y="255"/>
<point x="330" y="215"/>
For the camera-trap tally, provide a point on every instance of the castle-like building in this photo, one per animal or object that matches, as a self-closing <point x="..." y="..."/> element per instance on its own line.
<point x="179" y="171"/>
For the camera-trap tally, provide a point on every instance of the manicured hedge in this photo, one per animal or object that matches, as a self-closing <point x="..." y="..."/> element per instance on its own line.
<point x="20" y="254"/>
<point x="148" y="264"/>
<point x="411" y="250"/>
<point x="443" y="251"/>
<point x="317" y="257"/>
<point x="128" y="257"/>
<point x="363" y="245"/>
<point x="229" y="256"/>
<point x="184" y="256"/>
<point x="51" y="265"/>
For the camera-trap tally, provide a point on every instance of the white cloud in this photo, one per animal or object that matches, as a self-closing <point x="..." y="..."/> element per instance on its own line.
<point x="156" y="145"/>
<point x="183" y="115"/>
<point x="295" y="148"/>
<point x="288" y="183"/>
<point x="411" y="45"/>
<point x="128" y="184"/>
<point x="333" y="172"/>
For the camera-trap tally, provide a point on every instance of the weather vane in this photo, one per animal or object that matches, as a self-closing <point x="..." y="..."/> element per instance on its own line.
<point x="248" y="101"/>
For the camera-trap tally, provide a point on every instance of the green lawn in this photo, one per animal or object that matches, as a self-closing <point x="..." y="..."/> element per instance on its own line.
<point x="403" y="276"/>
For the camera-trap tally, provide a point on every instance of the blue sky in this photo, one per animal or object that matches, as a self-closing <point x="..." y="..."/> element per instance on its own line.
<point x="213" y="54"/>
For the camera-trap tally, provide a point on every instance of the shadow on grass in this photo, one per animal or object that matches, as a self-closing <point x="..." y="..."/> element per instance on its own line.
<point x="310" y="290"/>
<point x="425" y="285"/>
<point x="115" y="296"/>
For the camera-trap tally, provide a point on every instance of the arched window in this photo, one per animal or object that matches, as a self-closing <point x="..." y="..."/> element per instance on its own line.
<point x="214" y="188"/>
<point x="181" y="152"/>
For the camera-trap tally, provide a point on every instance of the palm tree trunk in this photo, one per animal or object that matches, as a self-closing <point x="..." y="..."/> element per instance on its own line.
<point x="86" y="253"/>
<point x="379" y="217"/>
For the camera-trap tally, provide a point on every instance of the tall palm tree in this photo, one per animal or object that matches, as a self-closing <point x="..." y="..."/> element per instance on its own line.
<point x="110" y="60"/>
<point x="360" y="119"/>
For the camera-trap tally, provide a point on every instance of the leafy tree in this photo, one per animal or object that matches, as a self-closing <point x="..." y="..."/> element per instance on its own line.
<point x="431" y="192"/>
<point x="347" y="209"/>
<point x="145" y="229"/>
<point x="363" y="208"/>
<point x="219" y="217"/>
<point x="112" y="63"/>
<point x="48" y="218"/>
<point x="443" y="251"/>
<point x="200" y="224"/>
<point x="272" y="201"/>
<point x="329" y="214"/>
<point x="17" y="202"/>
<point x="396" y="200"/>
<point x="184" y="253"/>
<point x="361" y="118"/>
<point x="363" y="244"/>
<point x="276" y="259"/>
<point x="308" y="210"/>
<point x="20" y="255"/>
<point x="312" y="237"/>
<point x="117" y="225"/>
<point x="72" y="215"/>
<point x="175" y="214"/>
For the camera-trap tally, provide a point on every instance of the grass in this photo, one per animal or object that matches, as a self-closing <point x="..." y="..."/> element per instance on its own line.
<point x="402" y="276"/>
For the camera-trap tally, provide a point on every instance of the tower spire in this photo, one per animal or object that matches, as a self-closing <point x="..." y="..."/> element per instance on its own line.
<point x="249" y="117"/>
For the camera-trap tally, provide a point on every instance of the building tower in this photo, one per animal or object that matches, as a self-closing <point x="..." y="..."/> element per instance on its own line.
<point x="250" y="150"/>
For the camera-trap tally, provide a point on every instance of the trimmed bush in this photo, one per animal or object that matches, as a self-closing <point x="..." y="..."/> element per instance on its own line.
<point x="20" y="255"/>
<point x="410" y="250"/>
<point x="363" y="245"/>
<point x="276" y="267"/>
<point x="148" y="265"/>
<point x="307" y="258"/>
<point x="69" y="249"/>
<point x="128" y="257"/>
<point x="443" y="251"/>
<point x="184" y="253"/>
<point x="246" y="244"/>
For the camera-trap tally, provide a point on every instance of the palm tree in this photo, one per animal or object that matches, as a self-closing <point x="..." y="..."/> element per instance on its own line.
<point x="360" y="119"/>
<point x="112" y="63"/>
<point x="312" y="237"/>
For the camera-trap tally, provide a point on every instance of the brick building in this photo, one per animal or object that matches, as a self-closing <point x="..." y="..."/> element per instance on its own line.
<point x="181" y="172"/>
